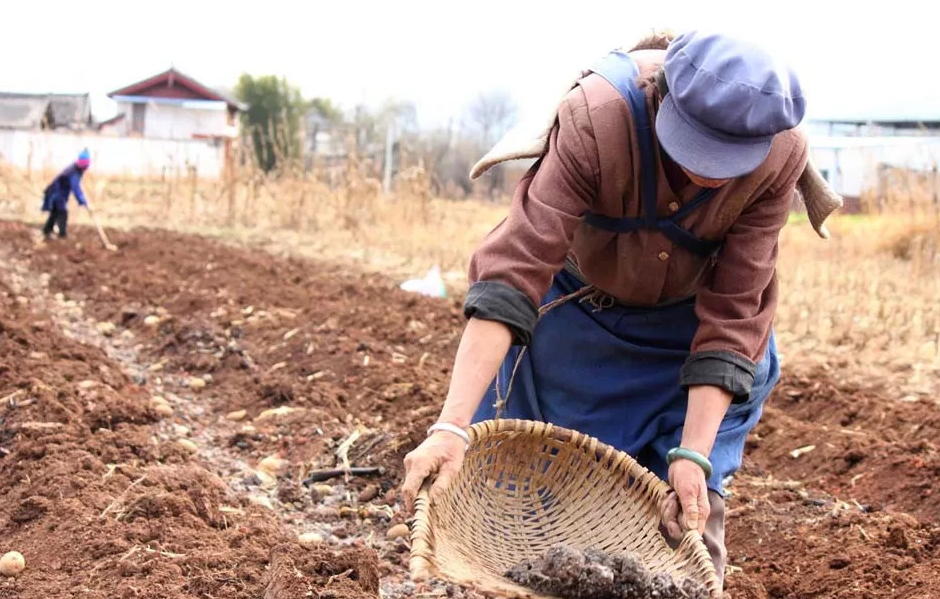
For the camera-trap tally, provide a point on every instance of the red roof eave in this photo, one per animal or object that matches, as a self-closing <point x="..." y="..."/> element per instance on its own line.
<point x="178" y="78"/>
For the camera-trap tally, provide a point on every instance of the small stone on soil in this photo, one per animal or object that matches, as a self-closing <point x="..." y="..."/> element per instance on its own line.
<point x="837" y="563"/>
<point x="266" y="481"/>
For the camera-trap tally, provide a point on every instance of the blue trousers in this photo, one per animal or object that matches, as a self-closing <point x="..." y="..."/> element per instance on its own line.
<point x="613" y="373"/>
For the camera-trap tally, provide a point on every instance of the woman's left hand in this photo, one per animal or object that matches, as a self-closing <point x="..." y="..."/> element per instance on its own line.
<point x="687" y="508"/>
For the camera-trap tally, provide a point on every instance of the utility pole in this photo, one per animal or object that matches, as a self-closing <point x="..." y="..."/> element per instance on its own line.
<point x="389" y="143"/>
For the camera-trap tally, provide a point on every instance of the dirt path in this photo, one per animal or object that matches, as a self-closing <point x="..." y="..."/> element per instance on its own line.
<point x="322" y="362"/>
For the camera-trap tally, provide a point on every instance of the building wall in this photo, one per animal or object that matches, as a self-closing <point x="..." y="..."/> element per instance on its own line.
<point x="179" y="122"/>
<point x="117" y="156"/>
<point x="167" y="121"/>
<point x="123" y="127"/>
<point x="851" y="163"/>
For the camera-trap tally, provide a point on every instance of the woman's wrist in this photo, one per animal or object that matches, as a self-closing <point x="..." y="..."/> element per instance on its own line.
<point x="459" y="410"/>
<point x="450" y="429"/>
<point x="460" y="421"/>
<point x="685" y="453"/>
<point x="707" y="408"/>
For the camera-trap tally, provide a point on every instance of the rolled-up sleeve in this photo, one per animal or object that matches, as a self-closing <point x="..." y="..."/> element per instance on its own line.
<point x="736" y="306"/>
<point x="513" y="267"/>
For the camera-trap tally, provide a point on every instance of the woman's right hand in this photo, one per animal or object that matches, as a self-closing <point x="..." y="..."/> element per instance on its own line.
<point x="482" y="348"/>
<point x="439" y="455"/>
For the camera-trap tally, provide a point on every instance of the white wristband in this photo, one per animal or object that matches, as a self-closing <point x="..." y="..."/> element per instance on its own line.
<point x="450" y="428"/>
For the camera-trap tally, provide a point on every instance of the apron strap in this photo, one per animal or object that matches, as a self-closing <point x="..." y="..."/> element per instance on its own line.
<point x="619" y="69"/>
<point x="684" y="238"/>
<point x="700" y="198"/>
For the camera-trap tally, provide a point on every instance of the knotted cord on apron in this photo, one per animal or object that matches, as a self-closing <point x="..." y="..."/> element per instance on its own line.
<point x="598" y="299"/>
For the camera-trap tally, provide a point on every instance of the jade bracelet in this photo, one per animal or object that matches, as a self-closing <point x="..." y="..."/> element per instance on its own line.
<point x="677" y="453"/>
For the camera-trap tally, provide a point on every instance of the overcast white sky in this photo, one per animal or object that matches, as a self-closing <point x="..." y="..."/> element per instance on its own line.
<point x="441" y="53"/>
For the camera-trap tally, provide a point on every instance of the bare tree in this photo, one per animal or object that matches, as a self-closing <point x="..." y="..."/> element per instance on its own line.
<point x="493" y="113"/>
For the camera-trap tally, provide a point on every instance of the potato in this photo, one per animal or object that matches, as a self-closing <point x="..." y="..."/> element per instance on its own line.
<point x="163" y="409"/>
<point x="187" y="445"/>
<point x="106" y="328"/>
<point x="273" y="465"/>
<point x="278" y="411"/>
<point x="12" y="563"/>
<point x="310" y="538"/>
<point x="266" y="480"/>
<point x="262" y="500"/>
<point x="399" y="531"/>
<point x="323" y="490"/>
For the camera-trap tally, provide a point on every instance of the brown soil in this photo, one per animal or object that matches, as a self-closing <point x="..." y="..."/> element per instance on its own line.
<point x="868" y="447"/>
<point x="854" y="517"/>
<point x="101" y="496"/>
<point x="98" y="505"/>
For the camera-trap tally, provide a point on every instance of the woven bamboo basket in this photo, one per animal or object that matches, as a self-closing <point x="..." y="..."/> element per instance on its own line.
<point x="527" y="486"/>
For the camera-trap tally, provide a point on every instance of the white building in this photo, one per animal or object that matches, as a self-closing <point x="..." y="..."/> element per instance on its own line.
<point x="852" y="150"/>
<point x="167" y="124"/>
<point x="171" y="106"/>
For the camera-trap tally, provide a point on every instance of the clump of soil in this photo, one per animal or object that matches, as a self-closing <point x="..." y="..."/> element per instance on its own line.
<point x="576" y="574"/>
<point x="322" y="573"/>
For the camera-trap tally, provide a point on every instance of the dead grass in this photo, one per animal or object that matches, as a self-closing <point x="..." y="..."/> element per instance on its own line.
<point x="867" y="298"/>
<point x="851" y="302"/>
<point x="349" y="220"/>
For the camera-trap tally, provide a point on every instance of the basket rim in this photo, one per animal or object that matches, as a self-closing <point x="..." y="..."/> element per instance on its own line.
<point x="422" y="564"/>
<point x="622" y="461"/>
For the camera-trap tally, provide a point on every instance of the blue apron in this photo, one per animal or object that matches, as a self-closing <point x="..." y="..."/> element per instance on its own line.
<point x="613" y="372"/>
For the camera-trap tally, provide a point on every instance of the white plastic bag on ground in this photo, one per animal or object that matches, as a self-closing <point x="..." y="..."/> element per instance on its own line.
<point x="432" y="285"/>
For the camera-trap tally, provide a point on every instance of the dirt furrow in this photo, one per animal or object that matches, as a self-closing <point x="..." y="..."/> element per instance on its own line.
<point x="259" y="423"/>
<point x="852" y="441"/>
<point x="102" y="505"/>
